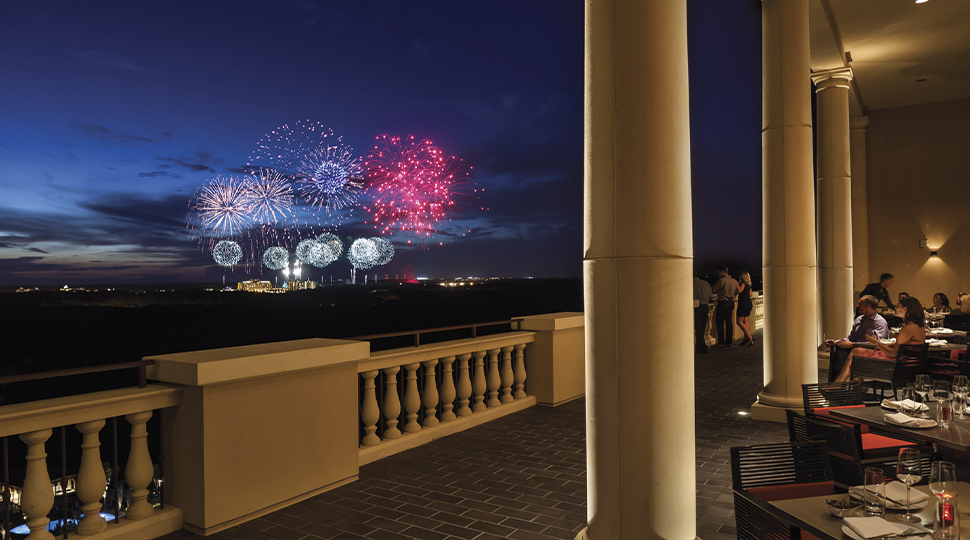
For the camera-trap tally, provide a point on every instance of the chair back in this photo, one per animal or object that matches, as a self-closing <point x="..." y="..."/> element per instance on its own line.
<point x="827" y="395"/>
<point x="910" y="362"/>
<point x="843" y="441"/>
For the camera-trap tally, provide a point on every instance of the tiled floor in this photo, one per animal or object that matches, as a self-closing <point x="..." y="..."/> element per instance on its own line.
<point x="522" y="477"/>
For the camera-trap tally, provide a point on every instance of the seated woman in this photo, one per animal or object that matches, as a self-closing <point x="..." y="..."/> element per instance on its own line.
<point x="963" y="305"/>
<point x="941" y="304"/>
<point x="913" y="332"/>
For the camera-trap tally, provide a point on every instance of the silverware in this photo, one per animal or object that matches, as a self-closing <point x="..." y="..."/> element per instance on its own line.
<point x="894" y="536"/>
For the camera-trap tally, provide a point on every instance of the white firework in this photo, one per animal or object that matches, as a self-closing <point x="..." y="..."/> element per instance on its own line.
<point x="227" y="253"/>
<point x="276" y="258"/>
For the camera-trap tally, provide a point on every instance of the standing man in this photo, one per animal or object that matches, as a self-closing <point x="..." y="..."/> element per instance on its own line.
<point x="702" y="297"/>
<point x="726" y="289"/>
<point x="880" y="290"/>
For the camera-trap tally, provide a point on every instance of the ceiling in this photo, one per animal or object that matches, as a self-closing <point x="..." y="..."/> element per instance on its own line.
<point x="890" y="45"/>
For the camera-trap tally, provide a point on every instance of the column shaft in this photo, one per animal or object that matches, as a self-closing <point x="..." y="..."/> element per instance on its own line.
<point x="834" y="203"/>
<point x="788" y="209"/>
<point x="638" y="255"/>
<point x="860" y="204"/>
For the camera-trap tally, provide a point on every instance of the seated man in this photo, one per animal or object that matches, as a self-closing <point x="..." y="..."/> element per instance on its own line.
<point x="868" y="323"/>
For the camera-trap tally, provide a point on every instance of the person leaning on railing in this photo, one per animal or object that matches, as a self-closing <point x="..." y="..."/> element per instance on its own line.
<point x="913" y="332"/>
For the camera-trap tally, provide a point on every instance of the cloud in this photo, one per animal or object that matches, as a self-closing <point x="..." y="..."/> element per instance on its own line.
<point x="38" y="250"/>
<point x="153" y="174"/>
<point x="202" y="162"/>
<point x="102" y="58"/>
<point x="107" y="136"/>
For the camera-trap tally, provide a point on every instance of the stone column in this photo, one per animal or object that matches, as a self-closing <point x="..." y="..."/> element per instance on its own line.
<point x="860" y="204"/>
<point x="788" y="210"/>
<point x="834" y="203"/>
<point x="637" y="255"/>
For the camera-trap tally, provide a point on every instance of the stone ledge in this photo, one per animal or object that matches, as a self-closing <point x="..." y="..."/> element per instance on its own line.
<point x="164" y="521"/>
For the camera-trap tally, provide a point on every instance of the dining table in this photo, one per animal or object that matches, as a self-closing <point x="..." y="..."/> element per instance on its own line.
<point x="811" y="514"/>
<point x="955" y="437"/>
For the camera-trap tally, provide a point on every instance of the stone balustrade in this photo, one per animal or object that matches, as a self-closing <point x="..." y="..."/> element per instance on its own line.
<point x="437" y="389"/>
<point x="34" y="423"/>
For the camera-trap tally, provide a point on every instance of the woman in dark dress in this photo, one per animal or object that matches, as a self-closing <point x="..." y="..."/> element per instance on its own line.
<point x="744" y="307"/>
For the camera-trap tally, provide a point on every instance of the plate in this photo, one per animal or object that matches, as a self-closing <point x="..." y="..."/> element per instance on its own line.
<point x="918" y="423"/>
<point x="856" y="493"/>
<point x="894" y="405"/>
<point x="848" y="532"/>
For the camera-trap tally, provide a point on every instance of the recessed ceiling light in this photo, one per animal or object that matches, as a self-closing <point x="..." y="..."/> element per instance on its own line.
<point x="922" y="1"/>
<point x="920" y="80"/>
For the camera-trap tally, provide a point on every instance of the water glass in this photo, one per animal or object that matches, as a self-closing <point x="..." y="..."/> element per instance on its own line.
<point x="946" y="520"/>
<point x="944" y="412"/>
<point x="941" y="390"/>
<point x="959" y="405"/>
<point x="874" y="496"/>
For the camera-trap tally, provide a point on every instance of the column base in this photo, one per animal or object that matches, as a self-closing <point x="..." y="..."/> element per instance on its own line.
<point x="584" y="535"/>
<point x="771" y="413"/>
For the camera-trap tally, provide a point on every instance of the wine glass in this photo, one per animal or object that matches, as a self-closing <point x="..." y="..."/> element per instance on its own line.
<point x="941" y="390"/>
<point x="943" y="480"/>
<point x="923" y="385"/>
<point x="909" y="470"/>
<point x="908" y="394"/>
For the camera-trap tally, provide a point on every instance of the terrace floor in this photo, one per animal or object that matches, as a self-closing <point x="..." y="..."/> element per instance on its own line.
<point x="522" y="477"/>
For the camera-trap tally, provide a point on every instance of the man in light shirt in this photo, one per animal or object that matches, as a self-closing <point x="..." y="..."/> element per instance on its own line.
<point x="868" y="322"/>
<point x="702" y="295"/>
<point x="726" y="289"/>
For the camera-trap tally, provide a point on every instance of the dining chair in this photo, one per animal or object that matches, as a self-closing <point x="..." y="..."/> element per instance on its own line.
<point x="850" y="450"/>
<point x="773" y="472"/>
<point x="911" y="361"/>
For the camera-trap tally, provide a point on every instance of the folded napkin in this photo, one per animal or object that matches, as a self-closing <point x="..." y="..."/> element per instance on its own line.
<point x="907" y="404"/>
<point x="887" y="341"/>
<point x="872" y="527"/>
<point x="942" y="331"/>
<point x="896" y="491"/>
<point x="901" y="418"/>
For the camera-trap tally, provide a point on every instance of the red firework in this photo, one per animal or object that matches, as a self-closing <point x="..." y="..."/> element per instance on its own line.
<point x="413" y="185"/>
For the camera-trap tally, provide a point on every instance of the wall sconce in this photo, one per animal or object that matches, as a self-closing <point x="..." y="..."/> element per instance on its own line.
<point x="923" y="244"/>
<point x="934" y="253"/>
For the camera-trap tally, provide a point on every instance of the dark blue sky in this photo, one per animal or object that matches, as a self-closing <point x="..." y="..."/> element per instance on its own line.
<point x="114" y="113"/>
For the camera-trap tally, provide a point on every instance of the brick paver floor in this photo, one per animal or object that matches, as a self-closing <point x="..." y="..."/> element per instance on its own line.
<point x="522" y="477"/>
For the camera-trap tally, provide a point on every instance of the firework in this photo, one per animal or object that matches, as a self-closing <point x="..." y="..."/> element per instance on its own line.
<point x="283" y="148"/>
<point x="331" y="248"/>
<point x="413" y="185"/>
<point x="367" y="253"/>
<point x="222" y="207"/>
<point x="271" y="196"/>
<point x="330" y="178"/>
<point x="321" y="251"/>
<point x="276" y="258"/>
<point x="227" y="253"/>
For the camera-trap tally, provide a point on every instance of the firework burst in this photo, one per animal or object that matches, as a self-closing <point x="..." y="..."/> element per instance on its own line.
<point x="221" y="208"/>
<point x="276" y="258"/>
<point x="227" y="253"/>
<point x="413" y="185"/>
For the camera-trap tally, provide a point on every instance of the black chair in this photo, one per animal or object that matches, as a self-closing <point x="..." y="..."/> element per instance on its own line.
<point x="848" y="454"/>
<point x="819" y="396"/>
<point x="911" y="361"/>
<point x="772" y="472"/>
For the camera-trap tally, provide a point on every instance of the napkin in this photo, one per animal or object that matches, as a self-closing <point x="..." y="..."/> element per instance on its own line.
<point x="907" y="404"/>
<point x="900" y="418"/>
<point x="872" y="527"/>
<point x="896" y="491"/>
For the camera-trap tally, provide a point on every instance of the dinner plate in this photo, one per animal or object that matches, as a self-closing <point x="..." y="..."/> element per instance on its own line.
<point x="848" y="532"/>
<point x="917" y="423"/>
<point x="894" y="405"/>
<point x="856" y="493"/>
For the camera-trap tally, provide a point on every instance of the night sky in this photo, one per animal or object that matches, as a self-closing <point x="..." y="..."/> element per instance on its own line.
<point x="114" y="113"/>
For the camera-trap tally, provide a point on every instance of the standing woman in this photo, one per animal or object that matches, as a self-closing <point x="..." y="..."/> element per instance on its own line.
<point x="744" y="307"/>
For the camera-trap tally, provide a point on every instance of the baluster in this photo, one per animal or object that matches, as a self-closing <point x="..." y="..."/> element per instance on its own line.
<point x="91" y="481"/>
<point x="447" y="389"/>
<point x="507" y="377"/>
<point x="464" y="385"/>
<point x="37" y="498"/>
<point x="430" y="394"/>
<point x="520" y="373"/>
<point x="139" y="472"/>
<point x="494" y="380"/>
<point x="412" y="401"/>
<point x="392" y="403"/>
<point x="479" y="385"/>
<point x="370" y="413"/>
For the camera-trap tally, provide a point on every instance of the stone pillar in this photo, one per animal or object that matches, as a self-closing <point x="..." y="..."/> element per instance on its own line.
<point x="834" y="203"/>
<point x="637" y="255"/>
<point x="788" y="210"/>
<point x="860" y="204"/>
